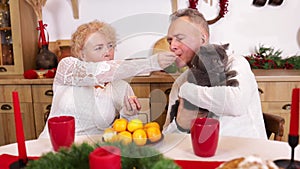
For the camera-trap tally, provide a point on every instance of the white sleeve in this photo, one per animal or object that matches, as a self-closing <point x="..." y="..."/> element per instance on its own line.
<point x="72" y="71"/>
<point x="171" y="128"/>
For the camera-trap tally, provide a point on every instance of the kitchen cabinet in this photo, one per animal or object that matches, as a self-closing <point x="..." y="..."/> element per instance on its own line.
<point x="18" y="45"/>
<point x="159" y="102"/>
<point x="42" y="98"/>
<point x="7" y="121"/>
<point x="276" y="93"/>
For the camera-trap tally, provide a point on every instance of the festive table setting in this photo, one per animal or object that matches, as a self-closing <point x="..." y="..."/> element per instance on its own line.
<point x="175" y="150"/>
<point x="178" y="147"/>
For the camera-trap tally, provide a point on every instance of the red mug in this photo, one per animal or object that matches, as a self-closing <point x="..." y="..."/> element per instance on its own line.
<point x="205" y="136"/>
<point x="105" y="157"/>
<point x="61" y="131"/>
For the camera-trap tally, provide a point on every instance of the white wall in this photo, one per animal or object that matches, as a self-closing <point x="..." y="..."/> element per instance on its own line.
<point x="140" y="23"/>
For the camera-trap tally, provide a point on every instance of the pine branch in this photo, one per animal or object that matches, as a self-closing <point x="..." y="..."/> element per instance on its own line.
<point x="133" y="156"/>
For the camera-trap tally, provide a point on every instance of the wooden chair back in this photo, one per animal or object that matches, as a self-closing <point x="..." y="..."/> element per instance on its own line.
<point x="274" y="124"/>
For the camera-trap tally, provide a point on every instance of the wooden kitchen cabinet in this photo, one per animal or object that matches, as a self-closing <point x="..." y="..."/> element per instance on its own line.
<point x="42" y="98"/>
<point x="276" y="93"/>
<point x="18" y="45"/>
<point x="276" y="99"/>
<point x="7" y="122"/>
<point x="142" y="91"/>
<point x="159" y="101"/>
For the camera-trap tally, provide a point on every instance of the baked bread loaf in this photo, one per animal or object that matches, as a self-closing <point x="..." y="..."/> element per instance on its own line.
<point x="250" y="162"/>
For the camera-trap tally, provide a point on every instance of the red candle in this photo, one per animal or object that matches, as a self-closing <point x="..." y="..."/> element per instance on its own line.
<point x="19" y="128"/>
<point x="105" y="157"/>
<point x="294" y="120"/>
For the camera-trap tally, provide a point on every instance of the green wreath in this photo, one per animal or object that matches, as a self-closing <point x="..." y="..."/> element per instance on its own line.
<point x="76" y="157"/>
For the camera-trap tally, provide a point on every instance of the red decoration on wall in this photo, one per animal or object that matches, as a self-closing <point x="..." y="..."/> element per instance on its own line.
<point x="193" y="4"/>
<point x="223" y="4"/>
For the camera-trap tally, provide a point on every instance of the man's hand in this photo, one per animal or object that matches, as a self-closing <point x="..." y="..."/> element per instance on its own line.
<point x="185" y="116"/>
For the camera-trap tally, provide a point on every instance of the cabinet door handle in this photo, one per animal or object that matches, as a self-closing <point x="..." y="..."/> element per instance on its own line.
<point x="260" y="91"/>
<point x="49" y="93"/>
<point x="46" y="115"/>
<point x="2" y="69"/>
<point x="6" y="107"/>
<point x="48" y="107"/>
<point x="286" y="107"/>
<point x="168" y="91"/>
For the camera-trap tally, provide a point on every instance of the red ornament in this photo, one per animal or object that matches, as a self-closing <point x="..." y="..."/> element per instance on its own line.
<point x="30" y="74"/>
<point x="50" y="73"/>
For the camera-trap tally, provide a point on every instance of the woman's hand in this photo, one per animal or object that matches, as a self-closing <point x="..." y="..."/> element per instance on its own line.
<point x="165" y="59"/>
<point x="132" y="105"/>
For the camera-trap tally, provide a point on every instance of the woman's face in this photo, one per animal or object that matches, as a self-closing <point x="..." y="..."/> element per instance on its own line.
<point x="185" y="38"/>
<point x="98" y="48"/>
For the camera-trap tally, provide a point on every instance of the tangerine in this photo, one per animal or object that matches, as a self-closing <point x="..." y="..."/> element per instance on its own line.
<point x="134" y="124"/>
<point x="139" y="137"/>
<point x="120" y="125"/>
<point x="153" y="134"/>
<point x="125" y="137"/>
<point x="152" y="124"/>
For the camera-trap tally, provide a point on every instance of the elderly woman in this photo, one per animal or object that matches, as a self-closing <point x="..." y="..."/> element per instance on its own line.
<point x="88" y="84"/>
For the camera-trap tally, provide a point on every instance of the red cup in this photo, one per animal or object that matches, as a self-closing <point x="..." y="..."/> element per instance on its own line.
<point x="61" y="131"/>
<point x="105" y="157"/>
<point x="205" y="136"/>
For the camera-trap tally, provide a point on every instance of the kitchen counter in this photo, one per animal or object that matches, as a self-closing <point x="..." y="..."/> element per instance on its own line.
<point x="277" y="75"/>
<point x="162" y="77"/>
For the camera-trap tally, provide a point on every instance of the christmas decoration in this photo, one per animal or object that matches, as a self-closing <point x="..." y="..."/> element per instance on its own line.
<point x="269" y="58"/>
<point x="45" y="58"/>
<point x="132" y="156"/>
<point x="223" y="4"/>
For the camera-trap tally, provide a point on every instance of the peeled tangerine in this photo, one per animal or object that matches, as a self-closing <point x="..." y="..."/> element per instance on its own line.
<point x="120" y="125"/>
<point x="139" y="137"/>
<point x="153" y="134"/>
<point x="109" y="135"/>
<point x="134" y="124"/>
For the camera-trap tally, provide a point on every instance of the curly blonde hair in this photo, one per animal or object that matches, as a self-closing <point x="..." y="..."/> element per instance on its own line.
<point x="80" y="36"/>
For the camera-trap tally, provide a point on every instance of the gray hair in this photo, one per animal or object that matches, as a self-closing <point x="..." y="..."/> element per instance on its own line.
<point x="194" y="16"/>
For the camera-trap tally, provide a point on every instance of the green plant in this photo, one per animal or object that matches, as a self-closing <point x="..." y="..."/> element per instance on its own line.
<point x="76" y="157"/>
<point x="269" y="58"/>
